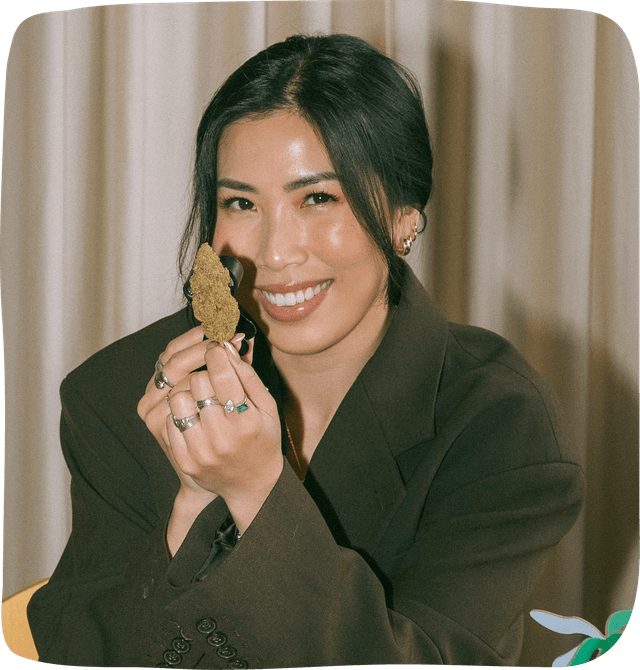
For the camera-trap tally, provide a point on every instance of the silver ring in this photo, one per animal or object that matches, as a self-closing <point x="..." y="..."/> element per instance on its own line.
<point x="207" y="402"/>
<point x="161" y="380"/>
<point x="159" y="363"/>
<point x="186" y="422"/>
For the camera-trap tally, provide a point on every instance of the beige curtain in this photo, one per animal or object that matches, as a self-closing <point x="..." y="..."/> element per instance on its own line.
<point x="532" y="229"/>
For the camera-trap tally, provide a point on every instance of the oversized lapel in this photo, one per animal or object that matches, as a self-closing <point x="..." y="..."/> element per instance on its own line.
<point x="353" y="475"/>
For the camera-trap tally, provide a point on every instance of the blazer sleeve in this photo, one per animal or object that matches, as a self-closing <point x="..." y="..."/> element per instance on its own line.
<point x="288" y="595"/>
<point x="293" y="597"/>
<point x="114" y="516"/>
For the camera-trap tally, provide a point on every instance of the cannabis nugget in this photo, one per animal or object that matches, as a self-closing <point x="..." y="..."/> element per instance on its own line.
<point x="213" y="303"/>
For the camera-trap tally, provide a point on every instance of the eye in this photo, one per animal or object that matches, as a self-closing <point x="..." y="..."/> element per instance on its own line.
<point x="241" y="204"/>
<point x="319" y="198"/>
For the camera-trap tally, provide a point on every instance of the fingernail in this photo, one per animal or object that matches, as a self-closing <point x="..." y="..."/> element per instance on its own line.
<point x="237" y="338"/>
<point x="232" y="350"/>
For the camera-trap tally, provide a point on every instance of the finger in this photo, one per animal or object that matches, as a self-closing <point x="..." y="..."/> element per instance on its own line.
<point x="184" y="361"/>
<point x="222" y="377"/>
<point x="182" y="385"/>
<point x="182" y="404"/>
<point x="252" y="384"/>
<point x="190" y="447"/>
<point x="184" y="341"/>
<point x="177" y="366"/>
<point x="183" y="407"/>
<point x="200" y="386"/>
<point x="178" y="452"/>
<point x="155" y="420"/>
<point x="239" y="341"/>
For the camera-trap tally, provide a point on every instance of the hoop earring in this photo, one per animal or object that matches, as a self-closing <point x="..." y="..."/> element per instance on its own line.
<point x="408" y="241"/>
<point x="406" y="246"/>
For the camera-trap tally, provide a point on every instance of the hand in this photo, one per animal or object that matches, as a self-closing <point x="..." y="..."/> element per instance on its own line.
<point x="182" y="356"/>
<point x="223" y="454"/>
<point x="234" y="454"/>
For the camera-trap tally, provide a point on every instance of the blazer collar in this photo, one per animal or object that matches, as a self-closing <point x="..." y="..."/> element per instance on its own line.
<point x="353" y="476"/>
<point x="402" y="377"/>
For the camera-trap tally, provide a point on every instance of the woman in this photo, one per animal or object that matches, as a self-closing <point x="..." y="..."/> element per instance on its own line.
<point x="367" y="483"/>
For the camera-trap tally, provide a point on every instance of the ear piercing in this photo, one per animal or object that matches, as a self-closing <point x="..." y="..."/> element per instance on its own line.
<point x="408" y="241"/>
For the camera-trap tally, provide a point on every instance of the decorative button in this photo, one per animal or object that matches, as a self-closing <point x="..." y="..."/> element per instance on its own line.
<point x="180" y="645"/>
<point x="217" y="639"/>
<point x="205" y="626"/>
<point x="163" y="665"/>
<point x="226" y="652"/>
<point x="238" y="664"/>
<point x="172" y="657"/>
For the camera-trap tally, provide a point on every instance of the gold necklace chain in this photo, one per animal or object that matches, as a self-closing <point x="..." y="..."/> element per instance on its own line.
<point x="293" y="446"/>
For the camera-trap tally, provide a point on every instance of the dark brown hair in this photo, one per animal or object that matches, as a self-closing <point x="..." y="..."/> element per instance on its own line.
<point x="365" y="106"/>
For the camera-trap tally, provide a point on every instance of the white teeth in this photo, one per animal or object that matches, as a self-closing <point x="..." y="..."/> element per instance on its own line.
<point x="291" y="299"/>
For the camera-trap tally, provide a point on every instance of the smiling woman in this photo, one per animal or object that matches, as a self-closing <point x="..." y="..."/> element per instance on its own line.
<point x="364" y="482"/>
<point x="300" y="234"/>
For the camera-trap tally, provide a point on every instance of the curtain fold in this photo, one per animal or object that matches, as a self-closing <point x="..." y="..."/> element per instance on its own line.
<point x="532" y="230"/>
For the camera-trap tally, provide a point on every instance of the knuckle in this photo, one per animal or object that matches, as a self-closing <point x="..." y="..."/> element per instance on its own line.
<point x="197" y="379"/>
<point x="215" y="355"/>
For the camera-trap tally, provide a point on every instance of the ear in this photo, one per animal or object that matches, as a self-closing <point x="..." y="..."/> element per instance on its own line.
<point x="405" y="227"/>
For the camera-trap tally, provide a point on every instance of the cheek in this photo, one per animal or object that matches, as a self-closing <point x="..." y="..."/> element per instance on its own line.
<point x="227" y="242"/>
<point x="345" y="243"/>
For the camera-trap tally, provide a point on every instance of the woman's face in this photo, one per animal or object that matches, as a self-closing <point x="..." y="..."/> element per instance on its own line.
<point x="313" y="278"/>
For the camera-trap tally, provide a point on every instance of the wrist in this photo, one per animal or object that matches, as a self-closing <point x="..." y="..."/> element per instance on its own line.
<point x="187" y="505"/>
<point x="245" y="507"/>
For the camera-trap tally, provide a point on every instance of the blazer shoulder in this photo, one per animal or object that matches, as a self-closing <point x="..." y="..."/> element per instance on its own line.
<point x="487" y="381"/>
<point x="125" y="366"/>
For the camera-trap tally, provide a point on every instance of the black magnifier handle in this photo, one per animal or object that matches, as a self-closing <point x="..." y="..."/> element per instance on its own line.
<point x="235" y="270"/>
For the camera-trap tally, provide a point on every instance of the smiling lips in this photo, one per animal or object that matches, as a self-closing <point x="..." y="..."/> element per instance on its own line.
<point x="293" y="302"/>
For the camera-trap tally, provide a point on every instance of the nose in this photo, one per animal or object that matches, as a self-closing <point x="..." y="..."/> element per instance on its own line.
<point x="282" y="240"/>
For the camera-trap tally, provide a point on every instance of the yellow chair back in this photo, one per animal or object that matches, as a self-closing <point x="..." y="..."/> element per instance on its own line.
<point x="15" y="626"/>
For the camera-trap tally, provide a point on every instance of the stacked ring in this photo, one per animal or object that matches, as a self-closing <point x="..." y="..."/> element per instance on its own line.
<point x="242" y="407"/>
<point x="228" y="407"/>
<point x="186" y="422"/>
<point x="159" y="363"/>
<point x="207" y="402"/>
<point x="160" y="380"/>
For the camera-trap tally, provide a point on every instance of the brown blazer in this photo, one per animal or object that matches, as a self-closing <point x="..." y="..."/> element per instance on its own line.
<point x="427" y="514"/>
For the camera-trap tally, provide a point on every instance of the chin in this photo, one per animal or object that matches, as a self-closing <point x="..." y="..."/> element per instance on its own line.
<point x="298" y="339"/>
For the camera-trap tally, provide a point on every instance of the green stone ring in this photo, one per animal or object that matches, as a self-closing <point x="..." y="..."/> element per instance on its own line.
<point x="229" y="406"/>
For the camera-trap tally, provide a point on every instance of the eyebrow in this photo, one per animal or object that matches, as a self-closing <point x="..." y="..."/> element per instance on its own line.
<point x="315" y="178"/>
